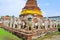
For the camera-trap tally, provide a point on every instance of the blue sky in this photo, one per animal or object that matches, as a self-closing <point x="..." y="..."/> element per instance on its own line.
<point x="14" y="7"/>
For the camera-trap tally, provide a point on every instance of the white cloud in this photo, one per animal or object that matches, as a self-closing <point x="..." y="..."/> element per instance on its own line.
<point x="11" y="7"/>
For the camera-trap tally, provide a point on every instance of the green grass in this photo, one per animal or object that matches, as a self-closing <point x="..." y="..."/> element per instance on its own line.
<point x="48" y="36"/>
<point x="4" y="35"/>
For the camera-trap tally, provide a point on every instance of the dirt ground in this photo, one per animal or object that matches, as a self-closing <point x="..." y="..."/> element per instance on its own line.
<point x="55" y="37"/>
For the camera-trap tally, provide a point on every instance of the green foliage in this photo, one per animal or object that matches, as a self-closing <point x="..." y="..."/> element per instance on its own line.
<point x="13" y="16"/>
<point x="0" y="19"/>
<point x="59" y="25"/>
<point x="4" y="35"/>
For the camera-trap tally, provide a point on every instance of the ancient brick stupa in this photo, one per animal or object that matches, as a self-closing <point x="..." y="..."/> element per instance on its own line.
<point x="32" y="9"/>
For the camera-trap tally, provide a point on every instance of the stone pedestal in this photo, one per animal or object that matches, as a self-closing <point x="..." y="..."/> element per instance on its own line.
<point x="28" y="37"/>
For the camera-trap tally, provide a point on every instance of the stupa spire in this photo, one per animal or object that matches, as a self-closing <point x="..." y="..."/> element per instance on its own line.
<point x="31" y="8"/>
<point x="31" y="4"/>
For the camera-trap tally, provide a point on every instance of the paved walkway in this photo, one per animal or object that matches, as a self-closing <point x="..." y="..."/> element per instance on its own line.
<point x="55" y="37"/>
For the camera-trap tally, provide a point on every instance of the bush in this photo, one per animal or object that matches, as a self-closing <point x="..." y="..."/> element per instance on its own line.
<point x="59" y="27"/>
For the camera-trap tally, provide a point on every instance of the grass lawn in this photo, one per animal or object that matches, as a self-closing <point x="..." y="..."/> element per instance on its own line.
<point x="4" y="35"/>
<point x="48" y="36"/>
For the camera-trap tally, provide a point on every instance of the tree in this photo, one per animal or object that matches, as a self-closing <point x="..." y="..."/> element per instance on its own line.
<point x="0" y="19"/>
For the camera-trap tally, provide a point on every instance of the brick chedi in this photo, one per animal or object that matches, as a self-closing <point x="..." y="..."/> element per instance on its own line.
<point x="31" y="8"/>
